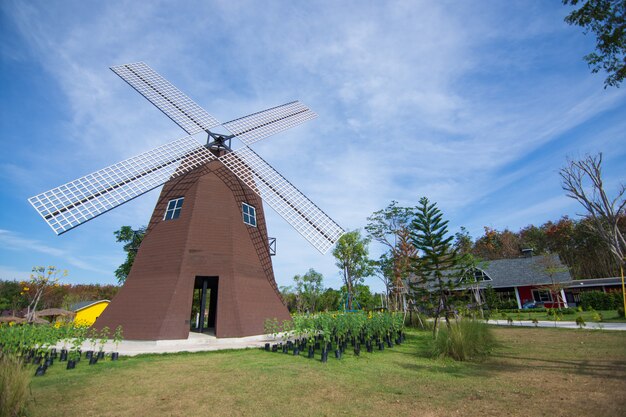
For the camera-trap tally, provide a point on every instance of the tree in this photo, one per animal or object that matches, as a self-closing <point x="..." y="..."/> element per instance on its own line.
<point x="383" y="269"/>
<point x="12" y="296"/>
<point x="463" y="242"/>
<point x="363" y="297"/>
<point x="607" y="19"/>
<point x="351" y="253"/>
<point x="309" y="288"/>
<point x="132" y="239"/>
<point x="582" y="181"/>
<point x="437" y="269"/>
<point x="329" y="300"/>
<point x="286" y="291"/>
<point x="497" y="245"/>
<point x="42" y="280"/>
<point x="551" y="267"/>
<point x="390" y="227"/>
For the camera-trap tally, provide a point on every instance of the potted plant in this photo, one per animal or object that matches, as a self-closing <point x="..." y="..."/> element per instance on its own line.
<point x="117" y="339"/>
<point x="79" y="333"/>
<point x="104" y="336"/>
<point x="64" y="332"/>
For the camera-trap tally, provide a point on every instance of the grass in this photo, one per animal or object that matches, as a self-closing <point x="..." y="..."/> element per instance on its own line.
<point x="14" y="382"/>
<point x="608" y="316"/>
<point x="464" y="340"/>
<point x="555" y="372"/>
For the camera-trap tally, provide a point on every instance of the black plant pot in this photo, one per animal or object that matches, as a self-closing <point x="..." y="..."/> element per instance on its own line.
<point x="324" y="356"/>
<point x="41" y="370"/>
<point x="100" y="354"/>
<point x="53" y="353"/>
<point x="48" y="362"/>
<point x="317" y="345"/>
<point x="285" y="349"/>
<point x="296" y="351"/>
<point x="93" y="360"/>
<point x="115" y="356"/>
<point x="337" y="354"/>
<point x="267" y="347"/>
<point x="89" y="354"/>
<point x="311" y="352"/>
<point x="357" y="350"/>
<point x="398" y="341"/>
<point x="389" y="344"/>
<point x="63" y="355"/>
<point x="274" y="347"/>
<point x="381" y="346"/>
<point x="71" y="364"/>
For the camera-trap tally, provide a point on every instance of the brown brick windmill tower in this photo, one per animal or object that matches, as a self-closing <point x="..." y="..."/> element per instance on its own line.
<point x="206" y="250"/>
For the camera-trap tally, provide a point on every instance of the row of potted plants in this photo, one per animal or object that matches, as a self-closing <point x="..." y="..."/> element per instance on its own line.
<point x="37" y="344"/>
<point x="335" y="331"/>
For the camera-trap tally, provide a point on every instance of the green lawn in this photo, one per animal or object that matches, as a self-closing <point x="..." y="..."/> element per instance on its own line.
<point x="608" y="316"/>
<point x="551" y="372"/>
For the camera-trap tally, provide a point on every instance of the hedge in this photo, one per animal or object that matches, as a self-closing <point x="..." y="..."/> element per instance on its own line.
<point x="599" y="300"/>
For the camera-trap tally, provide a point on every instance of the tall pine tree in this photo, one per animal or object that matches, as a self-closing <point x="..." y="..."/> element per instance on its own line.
<point x="438" y="268"/>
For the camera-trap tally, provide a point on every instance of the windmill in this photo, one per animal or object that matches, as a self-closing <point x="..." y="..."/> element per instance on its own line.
<point x="206" y="247"/>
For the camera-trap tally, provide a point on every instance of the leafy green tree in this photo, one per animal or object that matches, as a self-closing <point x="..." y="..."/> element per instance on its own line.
<point x="491" y="298"/>
<point x="11" y="296"/>
<point x="351" y="253"/>
<point x="329" y="300"/>
<point x="438" y="268"/>
<point x="363" y="297"/>
<point x="390" y="227"/>
<point x="309" y="288"/>
<point x="131" y="239"/>
<point x="463" y="242"/>
<point x="607" y="20"/>
<point x="289" y="296"/>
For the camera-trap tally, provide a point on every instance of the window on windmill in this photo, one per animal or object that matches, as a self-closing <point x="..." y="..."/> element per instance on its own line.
<point x="173" y="209"/>
<point x="249" y="214"/>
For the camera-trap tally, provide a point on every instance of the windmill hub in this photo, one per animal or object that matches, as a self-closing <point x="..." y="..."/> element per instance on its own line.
<point x="219" y="142"/>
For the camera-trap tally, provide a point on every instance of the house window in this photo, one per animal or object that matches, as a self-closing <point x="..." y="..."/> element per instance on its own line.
<point x="479" y="276"/>
<point x="542" y="296"/>
<point x="249" y="214"/>
<point x="173" y="209"/>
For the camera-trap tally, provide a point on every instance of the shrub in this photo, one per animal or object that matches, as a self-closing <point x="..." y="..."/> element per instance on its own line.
<point x="464" y="340"/>
<point x="598" y="300"/>
<point x="508" y="304"/>
<point x="14" y="382"/>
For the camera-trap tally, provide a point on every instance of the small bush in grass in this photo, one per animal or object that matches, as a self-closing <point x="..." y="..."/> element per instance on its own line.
<point x="14" y="382"/>
<point x="464" y="340"/>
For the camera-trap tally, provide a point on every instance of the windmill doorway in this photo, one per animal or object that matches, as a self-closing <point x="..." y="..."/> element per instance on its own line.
<point x="204" y="305"/>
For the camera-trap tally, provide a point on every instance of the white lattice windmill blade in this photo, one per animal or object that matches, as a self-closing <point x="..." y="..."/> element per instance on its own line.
<point x="282" y="196"/>
<point x="85" y="198"/>
<point x="81" y="200"/>
<point x="194" y="119"/>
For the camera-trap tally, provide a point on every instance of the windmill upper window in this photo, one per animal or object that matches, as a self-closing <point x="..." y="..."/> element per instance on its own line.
<point x="173" y="209"/>
<point x="249" y="214"/>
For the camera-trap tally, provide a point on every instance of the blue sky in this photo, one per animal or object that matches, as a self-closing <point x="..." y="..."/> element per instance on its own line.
<point x="475" y="105"/>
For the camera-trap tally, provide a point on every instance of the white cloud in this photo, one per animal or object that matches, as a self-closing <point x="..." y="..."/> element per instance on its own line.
<point x="14" y="242"/>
